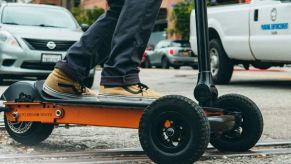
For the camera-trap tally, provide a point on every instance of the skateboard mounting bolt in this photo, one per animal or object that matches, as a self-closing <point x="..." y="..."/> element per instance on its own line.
<point x="59" y="113"/>
<point x="15" y="115"/>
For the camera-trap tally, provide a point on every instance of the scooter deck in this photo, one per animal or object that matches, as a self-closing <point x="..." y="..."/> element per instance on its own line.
<point x="28" y="103"/>
<point x="120" y="101"/>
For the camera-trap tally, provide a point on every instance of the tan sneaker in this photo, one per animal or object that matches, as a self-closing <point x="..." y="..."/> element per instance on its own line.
<point x="138" y="90"/>
<point x="59" y="85"/>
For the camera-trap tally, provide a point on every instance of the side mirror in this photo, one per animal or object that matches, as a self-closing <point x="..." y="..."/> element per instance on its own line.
<point x="84" y="27"/>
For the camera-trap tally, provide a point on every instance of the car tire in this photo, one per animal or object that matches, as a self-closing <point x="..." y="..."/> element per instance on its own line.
<point x="165" y="63"/>
<point x="89" y="82"/>
<point x="221" y="65"/>
<point x="147" y="63"/>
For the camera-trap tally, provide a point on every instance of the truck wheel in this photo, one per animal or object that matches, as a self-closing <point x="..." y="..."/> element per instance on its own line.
<point x="174" y="129"/>
<point x="249" y="124"/>
<point x="28" y="133"/>
<point x="165" y="63"/>
<point x="221" y="65"/>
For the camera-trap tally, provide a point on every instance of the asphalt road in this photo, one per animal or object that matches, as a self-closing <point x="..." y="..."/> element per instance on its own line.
<point x="270" y="90"/>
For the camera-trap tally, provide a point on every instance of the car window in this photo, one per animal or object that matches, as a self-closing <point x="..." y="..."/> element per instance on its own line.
<point x="38" y="16"/>
<point x="167" y="44"/>
<point x="228" y="2"/>
<point x="162" y="44"/>
<point x="159" y="45"/>
<point x="180" y="44"/>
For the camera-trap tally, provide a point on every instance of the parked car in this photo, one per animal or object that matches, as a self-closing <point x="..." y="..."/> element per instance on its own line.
<point x="247" y="32"/>
<point x="33" y="38"/>
<point x="167" y="53"/>
<point x="145" y="63"/>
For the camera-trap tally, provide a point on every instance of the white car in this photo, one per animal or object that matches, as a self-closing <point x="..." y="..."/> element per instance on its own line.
<point x="33" y="38"/>
<point x="255" y="32"/>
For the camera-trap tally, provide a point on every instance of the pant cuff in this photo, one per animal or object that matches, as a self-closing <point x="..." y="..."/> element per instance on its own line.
<point x="69" y="71"/>
<point x="120" y="80"/>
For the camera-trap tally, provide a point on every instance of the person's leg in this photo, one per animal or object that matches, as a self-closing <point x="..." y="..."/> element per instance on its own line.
<point x="93" y="48"/>
<point x="129" y="42"/>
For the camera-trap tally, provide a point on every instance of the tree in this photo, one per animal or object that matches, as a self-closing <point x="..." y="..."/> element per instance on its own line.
<point x="87" y="16"/>
<point x="181" y="19"/>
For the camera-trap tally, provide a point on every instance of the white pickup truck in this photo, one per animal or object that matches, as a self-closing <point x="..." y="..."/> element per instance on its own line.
<point x="255" y="32"/>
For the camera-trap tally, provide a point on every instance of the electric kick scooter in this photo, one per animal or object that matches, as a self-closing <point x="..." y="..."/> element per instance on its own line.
<point x="172" y="129"/>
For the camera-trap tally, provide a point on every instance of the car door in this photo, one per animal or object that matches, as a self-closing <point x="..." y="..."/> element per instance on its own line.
<point x="270" y="33"/>
<point x="159" y="52"/>
<point x="154" y="55"/>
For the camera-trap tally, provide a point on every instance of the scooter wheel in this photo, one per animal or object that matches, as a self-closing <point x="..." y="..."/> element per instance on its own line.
<point x="28" y="133"/>
<point x="174" y="129"/>
<point x="249" y="124"/>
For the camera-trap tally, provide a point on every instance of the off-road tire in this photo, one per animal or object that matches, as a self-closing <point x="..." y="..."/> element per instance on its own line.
<point x="191" y="114"/>
<point x="252" y="126"/>
<point x="37" y="133"/>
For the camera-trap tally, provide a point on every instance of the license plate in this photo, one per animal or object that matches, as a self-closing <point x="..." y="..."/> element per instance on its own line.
<point x="51" y="58"/>
<point x="186" y="53"/>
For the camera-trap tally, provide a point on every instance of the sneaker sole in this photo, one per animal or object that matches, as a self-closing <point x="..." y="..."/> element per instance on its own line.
<point x="126" y="98"/>
<point x="60" y="95"/>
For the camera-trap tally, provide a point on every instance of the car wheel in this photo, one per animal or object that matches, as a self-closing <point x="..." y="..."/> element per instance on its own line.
<point x="165" y="63"/>
<point x="89" y="82"/>
<point x="221" y="65"/>
<point x="147" y="63"/>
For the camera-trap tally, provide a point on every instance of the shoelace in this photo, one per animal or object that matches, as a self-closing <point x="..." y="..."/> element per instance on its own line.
<point x="142" y="86"/>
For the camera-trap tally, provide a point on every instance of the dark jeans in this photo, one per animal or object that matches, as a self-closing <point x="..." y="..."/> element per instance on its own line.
<point x="120" y="37"/>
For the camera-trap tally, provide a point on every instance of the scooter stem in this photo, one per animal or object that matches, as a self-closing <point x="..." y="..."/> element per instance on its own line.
<point x="205" y="91"/>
